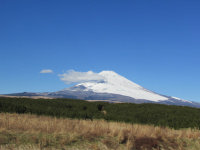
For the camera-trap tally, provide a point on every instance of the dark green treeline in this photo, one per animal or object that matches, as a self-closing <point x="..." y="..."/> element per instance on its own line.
<point x="156" y="114"/>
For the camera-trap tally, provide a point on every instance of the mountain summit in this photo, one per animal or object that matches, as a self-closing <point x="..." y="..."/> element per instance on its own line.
<point x="113" y="88"/>
<point x="117" y="84"/>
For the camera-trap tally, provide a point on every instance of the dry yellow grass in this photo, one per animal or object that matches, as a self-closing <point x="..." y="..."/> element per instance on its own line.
<point x="26" y="131"/>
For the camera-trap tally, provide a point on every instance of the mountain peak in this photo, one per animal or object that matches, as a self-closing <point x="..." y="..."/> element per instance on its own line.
<point x="117" y="84"/>
<point x="110" y="86"/>
<point x="108" y="72"/>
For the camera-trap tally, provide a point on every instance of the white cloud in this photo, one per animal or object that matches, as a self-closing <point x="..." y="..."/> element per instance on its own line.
<point x="72" y="76"/>
<point x="46" y="71"/>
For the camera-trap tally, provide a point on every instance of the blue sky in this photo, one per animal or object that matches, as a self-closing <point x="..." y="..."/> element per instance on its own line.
<point x="153" y="43"/>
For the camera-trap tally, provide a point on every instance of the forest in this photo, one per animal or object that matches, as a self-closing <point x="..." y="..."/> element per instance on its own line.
<point x="151" y="114"/>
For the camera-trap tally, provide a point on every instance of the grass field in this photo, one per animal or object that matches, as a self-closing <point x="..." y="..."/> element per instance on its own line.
<point x="25" y="131"/>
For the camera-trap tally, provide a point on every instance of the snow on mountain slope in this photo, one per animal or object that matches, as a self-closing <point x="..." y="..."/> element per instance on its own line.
<point x="116" y="84"/>
<point x="181" y="99"/>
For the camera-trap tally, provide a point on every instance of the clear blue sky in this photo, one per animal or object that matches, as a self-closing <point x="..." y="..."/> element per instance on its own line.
<point x="154" y="43"/>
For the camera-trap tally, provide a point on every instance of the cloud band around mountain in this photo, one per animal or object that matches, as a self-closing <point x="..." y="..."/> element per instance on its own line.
<point x="72" y="76"/>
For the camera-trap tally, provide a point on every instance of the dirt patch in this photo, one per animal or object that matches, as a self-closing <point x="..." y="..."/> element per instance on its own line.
<point x="147" y="143"/>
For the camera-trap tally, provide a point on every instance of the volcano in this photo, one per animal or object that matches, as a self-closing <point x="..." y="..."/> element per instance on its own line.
<point x="113" y="88"/>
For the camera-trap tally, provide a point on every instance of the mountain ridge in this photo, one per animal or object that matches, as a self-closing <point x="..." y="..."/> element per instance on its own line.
<point x="113" y="87"/>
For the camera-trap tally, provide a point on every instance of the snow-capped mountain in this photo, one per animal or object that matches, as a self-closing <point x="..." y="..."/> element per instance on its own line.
<point x="114" y="88"/>
<point x="116" y="84"/>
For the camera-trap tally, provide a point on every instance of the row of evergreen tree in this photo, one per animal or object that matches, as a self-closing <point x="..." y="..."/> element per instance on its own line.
<point x="155" y="114"/>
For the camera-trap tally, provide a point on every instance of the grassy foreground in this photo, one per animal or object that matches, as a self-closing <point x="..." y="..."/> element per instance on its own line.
<point x="25" y="131"/>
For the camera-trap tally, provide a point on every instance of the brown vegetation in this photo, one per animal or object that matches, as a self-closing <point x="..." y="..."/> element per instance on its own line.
<point x="41" y="132"/>
<point x="33" y="97"/>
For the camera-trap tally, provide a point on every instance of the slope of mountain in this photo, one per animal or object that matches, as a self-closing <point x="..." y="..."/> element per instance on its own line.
<point x="113" y="88"/>
<point x="117" y="84"/>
